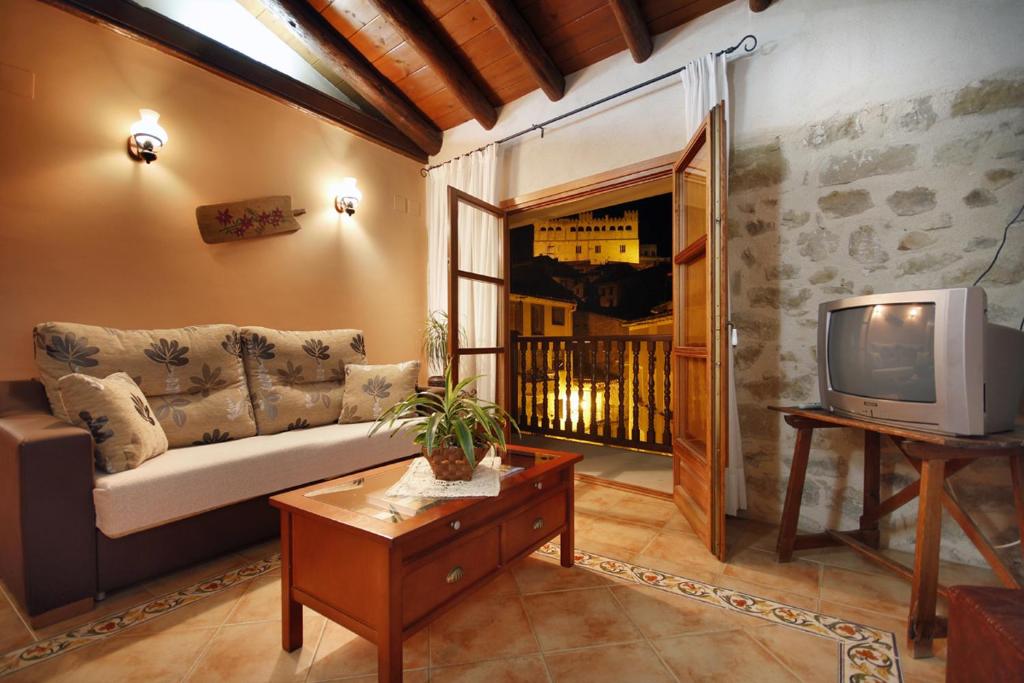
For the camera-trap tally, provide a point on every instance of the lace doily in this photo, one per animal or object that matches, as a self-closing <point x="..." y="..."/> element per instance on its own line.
<point x="419" y="482"/>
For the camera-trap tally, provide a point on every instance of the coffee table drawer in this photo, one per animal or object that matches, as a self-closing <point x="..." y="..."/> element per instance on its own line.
<point x="448" y="572"/>
<point x="533" y="525"/>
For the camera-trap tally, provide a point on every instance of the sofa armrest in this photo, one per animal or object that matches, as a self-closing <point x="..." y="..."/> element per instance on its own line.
<point x="47" y="519"/>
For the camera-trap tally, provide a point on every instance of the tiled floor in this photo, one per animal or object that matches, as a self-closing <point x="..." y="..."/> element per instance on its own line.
<point x="639" y="468"/>
<point x="536" y="623"/>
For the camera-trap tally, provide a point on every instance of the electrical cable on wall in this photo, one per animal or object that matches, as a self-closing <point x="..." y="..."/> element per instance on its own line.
<point x="995" y="256"/>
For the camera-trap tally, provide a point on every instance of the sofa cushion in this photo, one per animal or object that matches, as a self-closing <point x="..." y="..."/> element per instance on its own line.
<point x="296" y="378"/>
<point x="124" y="430"/>
<point x="187" y="481"/>
<point x="192" y="376"/>
<point x="370" y="390"/>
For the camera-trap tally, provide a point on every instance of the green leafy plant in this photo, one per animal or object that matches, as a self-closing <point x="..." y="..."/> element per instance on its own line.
<point x="435" y="342"/>
<point x="455" y="419"/>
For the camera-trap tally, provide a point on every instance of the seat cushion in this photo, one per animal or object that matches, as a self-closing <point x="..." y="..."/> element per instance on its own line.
<point x="187" y="481"/>
<point x="192" y="376"/>
<point x="296" y="378"/>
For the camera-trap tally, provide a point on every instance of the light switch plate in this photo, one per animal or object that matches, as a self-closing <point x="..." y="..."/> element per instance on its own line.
<point x="400" y="203"/>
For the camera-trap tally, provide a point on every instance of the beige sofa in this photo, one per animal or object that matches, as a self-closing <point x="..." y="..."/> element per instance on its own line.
<point x="248" y="412"/>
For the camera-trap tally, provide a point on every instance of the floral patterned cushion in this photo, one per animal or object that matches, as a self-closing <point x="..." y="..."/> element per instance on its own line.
<point x="119" y="417"/>
<point x="372" y="389"/>
<point x="296" y="378"/>
<point x="192" y="376"/>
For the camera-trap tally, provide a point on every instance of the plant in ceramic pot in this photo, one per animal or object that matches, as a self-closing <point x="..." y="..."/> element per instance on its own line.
<point x="455" y="429"/>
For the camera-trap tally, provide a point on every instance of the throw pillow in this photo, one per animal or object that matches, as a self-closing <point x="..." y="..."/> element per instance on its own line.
<point x="117" y="414"/>
<point x="372" y="389"/>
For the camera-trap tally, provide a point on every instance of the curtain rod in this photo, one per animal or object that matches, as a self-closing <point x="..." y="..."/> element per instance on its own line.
<point x="743" y="42"/>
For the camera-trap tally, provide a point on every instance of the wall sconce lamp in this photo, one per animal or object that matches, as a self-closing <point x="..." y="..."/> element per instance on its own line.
<point x="146" y="137"/>
<point x="348" y="197"/>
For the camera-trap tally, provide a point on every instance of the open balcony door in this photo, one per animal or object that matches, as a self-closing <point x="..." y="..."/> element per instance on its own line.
<point x="478" y="286"/>
<point x="700" y="444"/>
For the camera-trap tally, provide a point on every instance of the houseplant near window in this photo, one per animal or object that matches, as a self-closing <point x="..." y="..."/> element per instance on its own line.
<point x="455" y="430"/>
<point x="435" y="347"/>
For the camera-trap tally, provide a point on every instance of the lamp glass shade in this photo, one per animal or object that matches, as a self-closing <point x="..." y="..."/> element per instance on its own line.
<point x="148" y="129"/>
<point x="350" y="191"/>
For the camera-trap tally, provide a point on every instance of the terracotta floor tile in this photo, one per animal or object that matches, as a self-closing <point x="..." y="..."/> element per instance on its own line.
<point x="261" y="551"/>
<point x="116" y="601"/>
<point x="761" y="568"/>
<point x="608" y="664"/>
<point x="528" y="669"/>
<point x="609" y="503"/>
<point x="741" y="534"/>
<point x="261" y="600"/>
<point x="887" y="622"/>
<point x="414" y="676"/>
<point x="760" y="591"/>
<point x="578" y="618"/>
<point x="190" y="575"/>
<point x="884" y="593"/>
<point x="503" y="584"/>
<point x="678" y="553"/>
<point x="154" y="659"/>
<point x="343" y="653"/>
<point x="623" y="538"/>
<point x="206" y="613"/>
<point x="811" y="658"/>
<point x="849" y="559"/>
<point x="13" y="631"/>
<point x="252" y="652"/>
<point x="499" y="622"/>
<point x="721" y="657"/>
<point x="534" y="575"/>
<point x="677" y="522"/>
<point x="659" y="614"/>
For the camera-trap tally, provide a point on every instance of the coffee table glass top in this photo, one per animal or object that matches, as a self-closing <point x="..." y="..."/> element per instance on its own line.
<point x="365" y="493"/>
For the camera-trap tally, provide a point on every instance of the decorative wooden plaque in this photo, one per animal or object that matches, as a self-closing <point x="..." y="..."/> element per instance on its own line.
<point x="248" y="218"/>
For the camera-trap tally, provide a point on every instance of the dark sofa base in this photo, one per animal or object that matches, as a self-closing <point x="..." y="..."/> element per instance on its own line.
<point x="148" y="554"/>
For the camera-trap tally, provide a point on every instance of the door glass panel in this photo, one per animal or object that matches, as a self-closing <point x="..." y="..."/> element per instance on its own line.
<point x="695" y="197"/>
<point x="480" y="241"/>
<point x="694" y="319"/>
<point x="695" y="391"/>
<point x="486" y="367"/>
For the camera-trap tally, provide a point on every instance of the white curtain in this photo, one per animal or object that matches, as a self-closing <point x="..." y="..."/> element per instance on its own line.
<point x="704" y="85"/>
<point x="479" y="252"/>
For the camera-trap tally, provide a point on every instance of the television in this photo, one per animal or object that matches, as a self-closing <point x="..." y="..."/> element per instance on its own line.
<point x="926" y="360"/>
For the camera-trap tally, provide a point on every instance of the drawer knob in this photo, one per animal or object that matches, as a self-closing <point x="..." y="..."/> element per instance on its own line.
<point x="455" y="575"/>
<point x="538" y="485"/>
<point x="538" y="523"/>
<point x="456" y="525"/>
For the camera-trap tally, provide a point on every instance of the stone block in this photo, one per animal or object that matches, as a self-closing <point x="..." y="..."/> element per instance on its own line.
<point x="998" y="177"/>
<point x="988" y="95"/>
<point x="846" y="127"/>
<point x="865" y="163"/>
<point x="865" y="247"/>
<point x="926" y="263"/>
<point x="977" y="243"/>
<point x="840" y="204"/>
<point x="782" y="271"/>
<point x="916" y="239"/>
<point x="826" y="274"/>
<point x="795" y="219"/>
<point x="818" y="244"/>
<point x="760" y="166"/>
<point x="920" y="116"/>
<point x="759" y="227"/>
<point x="961" y="151"/>
<point x="748" y="258"/>
<point x="911" y="202"/>
<point x="979" y="197"/>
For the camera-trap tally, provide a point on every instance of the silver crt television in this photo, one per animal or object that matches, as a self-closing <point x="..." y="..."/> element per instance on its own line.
<point x="927" y="360"/>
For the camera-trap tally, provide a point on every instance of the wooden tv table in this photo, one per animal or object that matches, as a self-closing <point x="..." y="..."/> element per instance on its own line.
<point x="935" y="457"/>
<point x="385" y="577"/>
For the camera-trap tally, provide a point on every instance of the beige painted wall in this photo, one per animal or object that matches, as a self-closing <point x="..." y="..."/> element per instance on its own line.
<point x="88" y="235"/>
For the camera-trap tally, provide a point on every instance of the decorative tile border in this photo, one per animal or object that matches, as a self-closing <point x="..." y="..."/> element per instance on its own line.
<point x="81" y="636"/>
<point x="869" y="655"/>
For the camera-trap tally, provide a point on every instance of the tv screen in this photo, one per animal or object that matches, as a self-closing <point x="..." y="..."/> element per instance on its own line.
<point x="883" y="351"/>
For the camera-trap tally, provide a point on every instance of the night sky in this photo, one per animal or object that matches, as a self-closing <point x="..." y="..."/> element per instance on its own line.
<point x="655" y="226"/>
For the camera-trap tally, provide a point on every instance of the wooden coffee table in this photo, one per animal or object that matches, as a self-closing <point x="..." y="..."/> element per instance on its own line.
<point x="385" y="576"/>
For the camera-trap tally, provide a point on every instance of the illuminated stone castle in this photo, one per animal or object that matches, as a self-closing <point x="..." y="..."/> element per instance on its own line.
<point x="585" y="238"/>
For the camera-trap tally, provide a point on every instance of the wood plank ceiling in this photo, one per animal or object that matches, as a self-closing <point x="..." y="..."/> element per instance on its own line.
<point x="456" y="60"/>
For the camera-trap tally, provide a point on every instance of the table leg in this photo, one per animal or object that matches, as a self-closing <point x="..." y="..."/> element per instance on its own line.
<point x="794" y="494"/>
<point x="921" y="623"/>
<point x="1017" y="474"/>
<point x="872" y="489"/>
<point x="567" y="541"/>
<point x="389" y="658"/>
<point x="291" y="611"/>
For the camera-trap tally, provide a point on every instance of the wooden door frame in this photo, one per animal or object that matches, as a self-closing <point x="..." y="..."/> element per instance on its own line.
<point x="455" y="196"/>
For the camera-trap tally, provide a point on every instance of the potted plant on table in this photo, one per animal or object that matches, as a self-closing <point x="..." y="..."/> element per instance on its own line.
<point x="455" y="429"/>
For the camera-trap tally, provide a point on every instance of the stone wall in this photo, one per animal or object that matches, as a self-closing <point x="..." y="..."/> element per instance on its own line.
<point x="910" y="194"/>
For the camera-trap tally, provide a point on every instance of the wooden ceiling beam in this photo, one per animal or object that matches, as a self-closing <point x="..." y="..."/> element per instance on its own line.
<point x="634" y="28"/>
<point x="320" y="37"/>
<point x="420" y="35"/>
<point x="759" y="5"/>
<point x="520" y="36"/>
